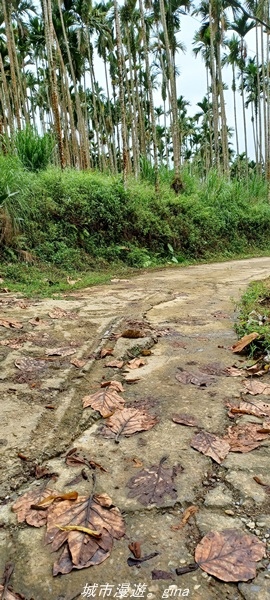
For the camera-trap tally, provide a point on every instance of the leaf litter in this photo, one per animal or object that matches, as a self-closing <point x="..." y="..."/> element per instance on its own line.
<point x="151" y="484"/>
<point x="24" y="512"/>
<point x="244" y="342"/>
<point x="185" y="419"/>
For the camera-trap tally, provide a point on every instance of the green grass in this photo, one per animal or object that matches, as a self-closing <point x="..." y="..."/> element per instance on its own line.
<point x="254" y="315"/>
<point x="86" y="225"/>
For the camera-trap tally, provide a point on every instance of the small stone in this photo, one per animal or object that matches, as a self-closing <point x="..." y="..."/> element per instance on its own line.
<point x="257" y="531"/>
<point x="251" y="525"/>
<point x="261" y="523"/>
<point x="204" y="575"/>
<point x="182" y="561"/>
<point x="267" y="535"/>
<point x="229" y="512"/>
<point x="196" y="587"/>
<point x="244" y="519"/>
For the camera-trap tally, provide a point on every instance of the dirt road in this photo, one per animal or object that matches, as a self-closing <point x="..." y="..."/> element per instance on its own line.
<point x="186" y="316"/>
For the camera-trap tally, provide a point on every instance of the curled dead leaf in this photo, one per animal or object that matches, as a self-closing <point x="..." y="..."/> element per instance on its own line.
<point x="106" y="352"/>
<point x="115" y="364"/>
<point x="229" y="555"/>
<point x="135" y="548"/>
<point x="78" y="363"/>
<point x="48" y="500"/>
<point x="113" y="384"/>
<point x="210" y="445"/>
<point x="136" y="363"/>
<point x="244" y="342"/>
<point x="188" y="513"/>
<point x="132" y="333"/>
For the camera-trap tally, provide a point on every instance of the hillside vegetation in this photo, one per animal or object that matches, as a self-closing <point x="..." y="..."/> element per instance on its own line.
<point x="80" y="221"/>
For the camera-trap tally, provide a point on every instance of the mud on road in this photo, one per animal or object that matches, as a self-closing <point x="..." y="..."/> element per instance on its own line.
<point x="50" y="360"/>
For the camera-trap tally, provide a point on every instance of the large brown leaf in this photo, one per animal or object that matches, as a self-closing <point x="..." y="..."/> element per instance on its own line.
<point x="256" y="387"/>
<point x="244" y="342"/>
<point x="151" y="484"/>
<point x="22" y="507"/>
<point x="230" y="555"/>
<point x="82" y="549"/>
<point x="210" y="445"/>
<point x="200" y="379"/>
<point x="106" y="401"/>
<point x="128" y="421"/>
<point x="256" y="408"/>
<point x="244" y="438"/>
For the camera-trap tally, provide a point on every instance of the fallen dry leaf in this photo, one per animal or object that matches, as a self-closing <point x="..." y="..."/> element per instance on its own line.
<point x="26" y="363"/>
<point x="37" y="321"/>
<point x="22" y="507"/>
<point x="116" y="385"/>
<point x="188" y="513"/>
<point x="136" y="363"/>
<point x="78" y="363"/>
<point x="48" y="500"/>
<point x="256" y="387"/>
<point x="10" y="594"/>
<point x="133" y="562"/>
<point x="67" y="351"/>
<point x="115" y="364"/>
<point x="82" y="550"/>
<point x="244" y="438"/>
<point x="106" y="401"/>
<point x="214" y="368"/>
<point x="234" y="372"/>
<point x="200" y="379"/>
<point x="151" y="484"/>
<point x="14" y="343"/>
<point x="257" y="408"/>
<point x="135" y="548"/>
<point x="244" y="342"/>
<point x="210" y="445"/>
<point x="185" y="419"/>
<point x="11" y="324"/>
<point x="265" y="485"/>
<point x="106" y="352"/>
<point x="229" y="555"/>
<point x="75" y="458"/>
<point x="127" y="422"/>
<point x="158" y="574"/>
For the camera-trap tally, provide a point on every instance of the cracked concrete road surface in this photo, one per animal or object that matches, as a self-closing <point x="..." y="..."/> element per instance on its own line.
<point x="190" y="314"/>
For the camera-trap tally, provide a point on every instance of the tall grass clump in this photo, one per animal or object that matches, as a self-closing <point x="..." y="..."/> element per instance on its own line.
<point x="35" y="151"/>
<point x="14" y="205"/>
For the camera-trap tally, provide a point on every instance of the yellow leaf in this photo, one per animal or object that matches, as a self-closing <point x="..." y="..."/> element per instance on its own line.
<point x="79" y="528"/>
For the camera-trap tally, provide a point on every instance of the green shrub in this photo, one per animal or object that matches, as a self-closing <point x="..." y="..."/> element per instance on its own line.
<point x="34" y="151"/>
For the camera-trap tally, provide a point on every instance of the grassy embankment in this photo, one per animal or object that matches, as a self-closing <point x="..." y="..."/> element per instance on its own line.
<point x="254" y="315"/>
<point x="86" y="226"/>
